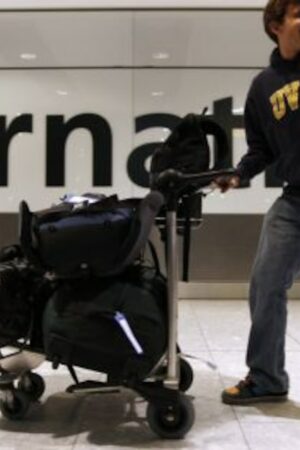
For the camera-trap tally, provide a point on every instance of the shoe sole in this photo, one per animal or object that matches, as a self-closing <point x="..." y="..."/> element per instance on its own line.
<point x="250" y="401"/>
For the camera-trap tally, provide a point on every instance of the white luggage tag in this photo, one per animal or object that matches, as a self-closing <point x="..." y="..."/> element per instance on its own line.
<point x="122" y="321"/>
<point x="78" y="199"/>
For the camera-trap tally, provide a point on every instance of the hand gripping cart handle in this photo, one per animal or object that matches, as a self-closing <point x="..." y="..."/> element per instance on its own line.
<point x="173" y="183"/>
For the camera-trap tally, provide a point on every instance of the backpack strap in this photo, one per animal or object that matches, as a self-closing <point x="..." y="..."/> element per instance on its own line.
<point x="140" y="230"/>
<point x="154" y="256"/>
<point x="212" y="128"/>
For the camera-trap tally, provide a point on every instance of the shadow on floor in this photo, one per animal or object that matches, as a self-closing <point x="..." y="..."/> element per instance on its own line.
<point x="99" y="419"/>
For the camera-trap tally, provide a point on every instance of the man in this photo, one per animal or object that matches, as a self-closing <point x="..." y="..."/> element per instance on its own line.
<point x="272" y="123"/>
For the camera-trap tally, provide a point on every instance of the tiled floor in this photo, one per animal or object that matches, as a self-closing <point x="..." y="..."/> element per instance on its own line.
<point x="215" y="331"/>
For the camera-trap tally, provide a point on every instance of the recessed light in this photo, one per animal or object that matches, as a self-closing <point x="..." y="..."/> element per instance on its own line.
<point x="157" y="93"/>
<point x="61" y="92"/>
<point x="28" y="56"/>
<point x="161" y="55"/>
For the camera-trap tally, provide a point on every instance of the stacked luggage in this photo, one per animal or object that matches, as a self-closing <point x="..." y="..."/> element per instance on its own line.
<point x="77" y="290"/>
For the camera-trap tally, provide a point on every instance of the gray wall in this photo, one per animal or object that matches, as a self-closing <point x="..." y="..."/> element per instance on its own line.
<point x="222" y="249"/>
<point x="8" y="229"/>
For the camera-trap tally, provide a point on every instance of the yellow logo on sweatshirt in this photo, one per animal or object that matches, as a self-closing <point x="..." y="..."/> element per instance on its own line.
<point x="287" y="96"/>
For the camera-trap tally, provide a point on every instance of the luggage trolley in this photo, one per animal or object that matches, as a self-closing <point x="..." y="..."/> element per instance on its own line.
<point x="170" y="413"/>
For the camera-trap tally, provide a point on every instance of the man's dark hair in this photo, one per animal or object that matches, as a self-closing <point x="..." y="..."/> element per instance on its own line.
<point x="275" y="11"/>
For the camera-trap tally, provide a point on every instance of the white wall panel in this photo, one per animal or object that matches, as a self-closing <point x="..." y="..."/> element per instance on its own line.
<point x="119" y="96"/>
<point x="106" y="93"/>
<point x="81" y="39"/>
<point x="201" y="38"/>
<point x="64" y="39"/>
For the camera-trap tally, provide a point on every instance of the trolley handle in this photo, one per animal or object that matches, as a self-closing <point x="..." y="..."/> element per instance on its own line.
<point x="174" y="180"/>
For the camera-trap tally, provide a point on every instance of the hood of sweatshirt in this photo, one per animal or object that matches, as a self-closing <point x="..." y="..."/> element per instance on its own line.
<point x="278" y="62"/>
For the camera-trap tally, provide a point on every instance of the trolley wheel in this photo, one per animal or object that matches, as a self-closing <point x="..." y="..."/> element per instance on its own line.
<point x="171" y="421"/>
<point x="15" y="404"/>
<point x="186" y="375"/>
<point x="33" y="385"/>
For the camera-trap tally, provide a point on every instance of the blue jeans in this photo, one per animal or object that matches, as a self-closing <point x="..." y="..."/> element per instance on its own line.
<point x="275" y="267"/>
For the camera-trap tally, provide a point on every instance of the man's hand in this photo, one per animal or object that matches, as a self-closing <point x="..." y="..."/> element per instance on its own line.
<point x="227" y="182"/>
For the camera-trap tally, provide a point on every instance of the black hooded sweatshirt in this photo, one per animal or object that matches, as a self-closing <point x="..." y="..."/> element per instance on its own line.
<point x="272" y="121"/>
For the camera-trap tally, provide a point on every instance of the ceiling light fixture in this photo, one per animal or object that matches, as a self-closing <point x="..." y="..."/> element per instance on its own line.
<point x="161" y="55"/>
<point x="28" y="56"/>
<point x="61" y="92"/>
<point x="157" y="93"/>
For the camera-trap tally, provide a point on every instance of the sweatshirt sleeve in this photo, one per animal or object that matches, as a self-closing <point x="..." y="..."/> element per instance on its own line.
<point x="259" y="154"/>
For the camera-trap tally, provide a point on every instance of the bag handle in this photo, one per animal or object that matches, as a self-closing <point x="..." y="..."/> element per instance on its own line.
<point x="212" y="128"/>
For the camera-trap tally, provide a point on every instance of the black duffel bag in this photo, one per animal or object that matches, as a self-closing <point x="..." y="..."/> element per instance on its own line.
<point x="116" y="325"/>
<point x="100" y="238"/>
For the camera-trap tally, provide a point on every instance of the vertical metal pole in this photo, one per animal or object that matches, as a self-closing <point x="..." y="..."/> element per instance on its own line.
<point x="172" y="275"/>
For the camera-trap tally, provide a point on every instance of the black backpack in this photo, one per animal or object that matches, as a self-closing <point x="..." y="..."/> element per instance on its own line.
<point x="86" y="323"/>
<point x="187" y="148"/>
